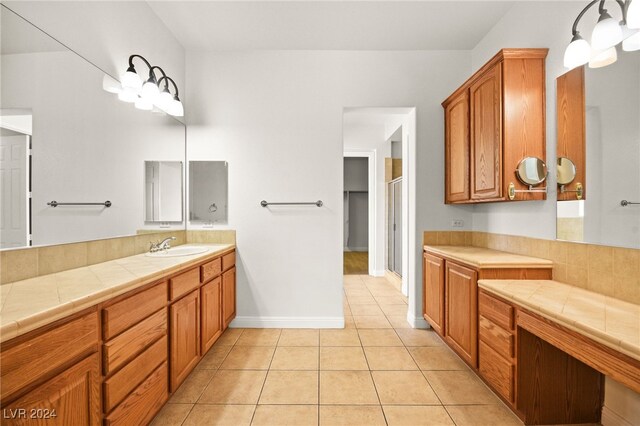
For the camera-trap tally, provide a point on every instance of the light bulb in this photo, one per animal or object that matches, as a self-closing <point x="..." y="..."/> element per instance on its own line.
<point x="128" y="95"/>
<point x="603" y="58"/>
<point x="175" y="108"/>
<point x="632" y="43"/>
<point x="144" y="104"/>
<point x="164" y="99"/>
<point x="150" y="90"/>
<point x="607" y="32"/>
<point x="110" y="84"/>
<point x="130" y="79"/>
<point x="577" y="53"/>
<point x="633" y="14"/>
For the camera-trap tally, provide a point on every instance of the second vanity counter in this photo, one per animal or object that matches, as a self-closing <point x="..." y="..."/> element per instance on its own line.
<point x="611" y="322"/>
<point x="29" y="304"/>
<point x="483" y="258"/>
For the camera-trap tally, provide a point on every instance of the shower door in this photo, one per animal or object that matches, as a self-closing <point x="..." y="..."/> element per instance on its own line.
<point x="394" y="226"/>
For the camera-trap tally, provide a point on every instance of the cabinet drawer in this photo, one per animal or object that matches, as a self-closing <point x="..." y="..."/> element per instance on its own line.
<point x="144" y="402"/>
<point x="24" y="363"/>
<point x="497" y="371"/>
<point x="184" y="283"/>
<point x="498" y="338"/>
<point x="210" y="270"/>
<point x="133" y="341"/>
<point x="130" y="376"/>
<point x="228" y="260"/>
<point x="497" y="311"/>
<point x="128" y="312"/>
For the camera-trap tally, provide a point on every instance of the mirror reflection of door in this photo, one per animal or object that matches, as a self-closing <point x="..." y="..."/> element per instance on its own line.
<point x="15" y="142"/>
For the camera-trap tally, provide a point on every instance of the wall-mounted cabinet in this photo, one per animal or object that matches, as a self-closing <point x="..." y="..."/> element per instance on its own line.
<point x="492" y="122"/>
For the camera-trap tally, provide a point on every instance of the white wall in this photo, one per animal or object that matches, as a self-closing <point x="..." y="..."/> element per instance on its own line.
<point x="108" y="32"/>
<point x="277" y="118"/>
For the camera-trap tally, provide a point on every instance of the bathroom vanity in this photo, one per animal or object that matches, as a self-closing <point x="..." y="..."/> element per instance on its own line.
<point x="117" y="351"/>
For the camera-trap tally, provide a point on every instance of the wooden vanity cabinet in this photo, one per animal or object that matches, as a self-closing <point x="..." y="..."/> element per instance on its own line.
<point x="211" y="326"/>
<point x="433" y="294"/>
<point x="494" y="120"/>
<point x="461" y="289"/>
<point x="185" y="337"/>
<point x="228" y="296"/>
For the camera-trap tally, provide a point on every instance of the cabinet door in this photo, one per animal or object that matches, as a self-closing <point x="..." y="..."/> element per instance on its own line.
<point x="185" y="337"/>
<point x="228" y="296"/>
<point x="70" y="398"/>
<point x="456" y="116"/>
<point x="486" y="139"/>
<point x="461" y="311"/>
<point x="433" y="292"/>
<point x="211" y="307"/>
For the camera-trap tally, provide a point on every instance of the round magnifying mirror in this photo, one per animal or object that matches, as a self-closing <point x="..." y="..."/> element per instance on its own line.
<point x="566" y="171"/>
<point x="531" y="171"/>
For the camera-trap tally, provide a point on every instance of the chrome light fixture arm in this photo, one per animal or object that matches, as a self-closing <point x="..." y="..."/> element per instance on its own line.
<point x="166" y="80"/>
<point x="574" y="29"/>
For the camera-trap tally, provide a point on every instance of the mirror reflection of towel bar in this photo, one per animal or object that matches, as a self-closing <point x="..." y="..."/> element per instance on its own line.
<point x="318" y="203"/>
<point x="56" y="204"/>
<point x="625" y="203"/>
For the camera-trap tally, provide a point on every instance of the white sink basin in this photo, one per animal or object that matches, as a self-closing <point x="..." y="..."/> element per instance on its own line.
<point x="179" y="251"/>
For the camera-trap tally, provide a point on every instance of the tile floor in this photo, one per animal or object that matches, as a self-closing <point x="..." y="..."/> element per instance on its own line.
<point x="377" y="371"/>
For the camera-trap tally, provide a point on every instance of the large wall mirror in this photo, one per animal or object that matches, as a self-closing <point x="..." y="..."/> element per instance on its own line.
<point x="64" y="139"/>
<point x="598" y="165"/>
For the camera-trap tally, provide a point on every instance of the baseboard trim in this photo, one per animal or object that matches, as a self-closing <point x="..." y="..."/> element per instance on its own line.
<point x="611" y="418"/>
<point x="417" y="322"/>
<point x="287" y="322"/>
<point x="379" y="273"/>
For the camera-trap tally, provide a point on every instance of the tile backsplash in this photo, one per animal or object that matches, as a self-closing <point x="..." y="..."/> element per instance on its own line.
<point x="21" y="264"/>
<point x="611" y="271"/>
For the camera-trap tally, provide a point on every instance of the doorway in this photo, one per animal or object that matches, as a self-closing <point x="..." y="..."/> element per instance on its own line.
<point x="356" y="216"/>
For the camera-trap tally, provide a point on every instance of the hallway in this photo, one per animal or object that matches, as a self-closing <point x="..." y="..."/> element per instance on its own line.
<point x="376" y="371"/>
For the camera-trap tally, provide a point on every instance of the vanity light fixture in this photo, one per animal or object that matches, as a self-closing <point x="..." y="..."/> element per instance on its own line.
<point x="146" y="96"/>
<point x="606" y="35"/>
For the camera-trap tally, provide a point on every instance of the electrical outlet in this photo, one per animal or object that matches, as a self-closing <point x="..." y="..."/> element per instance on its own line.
<point x="457" y="223"/>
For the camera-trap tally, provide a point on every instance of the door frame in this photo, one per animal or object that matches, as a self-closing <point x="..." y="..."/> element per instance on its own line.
<point x="371" y="188"/>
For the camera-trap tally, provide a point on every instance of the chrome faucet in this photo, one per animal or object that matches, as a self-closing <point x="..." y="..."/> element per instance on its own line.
<point x="162" y="245"/>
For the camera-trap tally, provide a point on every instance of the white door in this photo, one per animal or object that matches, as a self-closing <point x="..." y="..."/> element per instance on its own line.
<point x="14" y="172"/>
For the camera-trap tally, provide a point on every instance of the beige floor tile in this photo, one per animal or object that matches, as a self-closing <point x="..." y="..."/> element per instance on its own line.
<point x="419" y="337"/>
<point x="390" y="300"/>
<point x="403" y="388"/>
<point x="299" y="337"/>
<point x="379" y="337"/>
<point x="248" y="358"/>
<point x="214" y="357"/>
<point x="434" y="415"/>
<point x="459" y="387"/>
<point x="346" y="310"/>
<point x="348" y="322"/>
<point x="234" y="387"/>
<point x="389" y="358"/>
<point x="394" y="310"/>
<point x="383" y="292"/>
<point x="373" y="321"/>
<point x="346" y="337"/>
<point x="351" y="415"/>
<point x="480" y="415"/>
<point x="290" y="387"/>
<point x="361" y="300"/>
<point x="193" y="386"/>
<point x="285" y="415"/>
<point x="172" y="415"/>
<point x="295" y="358"/>
<point x="342" y="358"/>
<point x="398" y="321"/>
<point x="220" y="415"/>
<point x="229" y="337"/>
<point x="347" y="388"/>
<point x="436" y="358"/>
<point x="259" y="337"/>
<point x="357" y="292"/>
<point x="365" y="310"/>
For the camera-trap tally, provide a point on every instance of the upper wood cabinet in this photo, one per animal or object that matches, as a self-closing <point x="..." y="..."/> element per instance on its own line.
<point x="493" y="121"/>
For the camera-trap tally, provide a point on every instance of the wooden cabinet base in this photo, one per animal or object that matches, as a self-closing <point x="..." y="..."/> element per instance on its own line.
<point x="70" y="398"/>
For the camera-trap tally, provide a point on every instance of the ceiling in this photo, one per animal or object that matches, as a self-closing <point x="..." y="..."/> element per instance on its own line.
<point x="329" y="25"/>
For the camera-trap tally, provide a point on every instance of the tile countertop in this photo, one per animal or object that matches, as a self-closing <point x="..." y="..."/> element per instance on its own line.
<point x="30" y="304"/>
<point x="487" y="258"/>
<point x="611" y="322"/>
